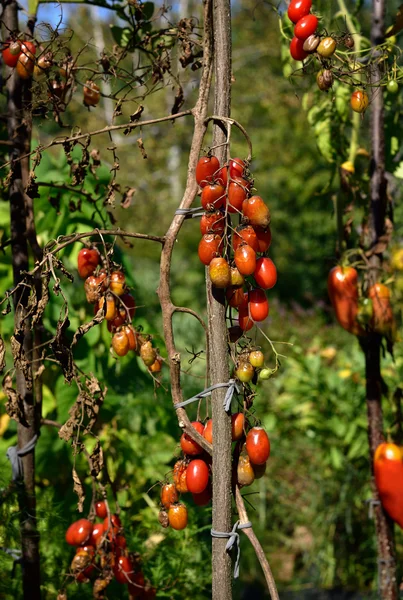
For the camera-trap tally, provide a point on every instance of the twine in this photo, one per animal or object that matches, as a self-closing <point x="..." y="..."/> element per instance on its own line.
<point x="371" y="505"/>
<point x="190" y="213"/>
<point x="231" y="385"/>
<point x="14" y="456"/>
<point x="233" y="540"/>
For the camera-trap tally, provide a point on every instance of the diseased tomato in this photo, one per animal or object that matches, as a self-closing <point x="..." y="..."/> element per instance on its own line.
<point x="297" y="49"/>
<point x="208" y="431"/>
<point x="265" y="273"/>
<point x="298" y="9"/>
<point x="26" y="62"/>
<point x="245" y="259"/>
<point x="178" y="516"/>
<point x="244" y="372"/>
<point x="11" y="51"/>
<point x="237" y="192"/>
<point x="213" y="196"/>
<point x="326" y="47"/>
<point x="388" y="470"/>
<point x="257" y="445"/>
<point x="258" y="305"/>
<point x="188" y="445"/>
<point x="131" y="337"/>
<point x="81" y="564"/>
<point x="115" y="324"/>
<point x="256" y="211"/>
<point x="359" y="101"/>
<point x="210" y="246"/>
<point x="382" y="318"/>
<point x="237" y="426"/>
<point x="123" y="570"/>
<point x="305" y="27"/>
<point x="148" y="354"/>
<point x="237" y="280"/>
<point x="31" y="46"/>
<point x="79" y="532"/>
<point x="117" y="283"/>
<point x="197" y="476"/>
<point x="220" y="272"/>
<point x="235" y="296"/>
<point x="93" y="289"/>
<point x="169" y="495"/>
<point x="256" y="359"/>
<point x="91" y="93"/>
<point x="179" y="476"/>
<point x="163" y="518"/>
<point x="120" y="343"/>
<point x="212" y="222"/>
<point x="245" y="234"/>
<point x="111" y="311"/>
<point x="87" y="261"/>
<point x="245" y="472"/>
<point x="263" y="238"/>
<point x="206" y="169"/>
<point x="342" y="285"/>
<point x="259" y="470"/>
<point x="156" y="367"/>
<point x="236" y="167"/>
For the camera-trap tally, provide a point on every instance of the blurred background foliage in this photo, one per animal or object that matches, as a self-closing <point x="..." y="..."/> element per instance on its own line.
<point x="311" y="508"/>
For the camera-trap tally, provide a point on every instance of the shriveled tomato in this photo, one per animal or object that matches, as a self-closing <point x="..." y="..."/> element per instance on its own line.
<point x="257" y="445"/>
<point x="245" y="234"/>
<point x="179" y="476"/>
<point x="188" y="445"/>
<point x="220" y="272"/>
<point x="87" y="261"/>
<point x="258" y="305"/>
<point x="210" y="246"/>
<point x="388" y="470"/>
<point x="117" y="283"/>
<point x="213" y="196"/>
<point x="26" y="61"/>
<point x="245" y="259"/>
<point x="263" y="238"/>
<point x="256" y="211"/>
<point x="212" y="222"/>
<point x="123" y="569"/>
<point x="237" y="192"/>
<point x="382" y="318"/>
<point x="208" y="431"/>
<point x="206" y="168"/>
<point x="169" y="495"/>
<point x="131" y="337"/>
<point x="197" y="476"/>
<point x="120" y="343"/>
<point x="245" y="472"/>
<point x="178" y="516"/>
<point x="237" y="425"/>
<point x="342" y="285"/>
<point x="148" y="353"/>
<point x="237" y="279"/>
<point x="79" y="532"/>
<point x="265" y="273"/>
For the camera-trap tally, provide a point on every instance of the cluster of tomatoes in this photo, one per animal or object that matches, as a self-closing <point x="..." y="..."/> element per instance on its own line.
<point x="106" y="289"/>
<point x="232" y="253"/>
<point x="388" y="471"/>
<point x="192" y="472"/>
<point x="356" y="313"/>
<point x="102" y="554"/>
<point x="21" y="55"/>
<point x="307" y="41"/>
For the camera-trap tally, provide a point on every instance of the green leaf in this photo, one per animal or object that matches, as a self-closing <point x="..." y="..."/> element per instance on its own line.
<point x="121" y="35"/>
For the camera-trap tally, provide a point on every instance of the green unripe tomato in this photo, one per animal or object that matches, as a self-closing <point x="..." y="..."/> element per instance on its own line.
<point x="265" y="374"/>
<point x="256" y="359"/>
<point x="326" y="47"/>
<point x="393" y="86"/>
<point x="365" y="311"/>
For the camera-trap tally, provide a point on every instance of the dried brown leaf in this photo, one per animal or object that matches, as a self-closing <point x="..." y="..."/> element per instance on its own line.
<point x="79" y="489"/>
<point x="83" y="329"/>
<point x="140" y="144"/>
<point x="2" y="355"/>
<point x="20" y="359"/>
<point x="179" y="100"/>
<point x="137" y="114"/>
<point x="127" y="197"/>
<point x="61" y="348"/>
<point x="15" y="403"/>
<point x="96" y="460"/>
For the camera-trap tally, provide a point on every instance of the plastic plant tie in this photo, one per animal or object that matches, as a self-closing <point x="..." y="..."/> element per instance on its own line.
<point x="190" y="213"/>
<point x="371" y="505"/>
<point x="15" y="553"/>
<point x="14" y="456"/>
<point x="233" y="540"/>
<point x="231" y="385"/>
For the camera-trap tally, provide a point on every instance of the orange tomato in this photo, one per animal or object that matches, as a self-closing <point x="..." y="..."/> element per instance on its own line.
<point x="342" y="285"/>
<point x="382" y="320"/>
<point x="388" y="470"/>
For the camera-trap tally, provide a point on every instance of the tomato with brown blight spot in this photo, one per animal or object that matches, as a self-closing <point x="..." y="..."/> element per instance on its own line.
<point x="179" y="476"/>
<point x="169" y="495"/>
<point x="117" y="283"/>
<point x="212" y="222"/>
<point x="256" y="212"/>
<point x="148" y="354"/>
<point x="220" y="272"/>
<point x="120" y="343"/>
<point x="87" y="261"/>
<point x="245" y="472"/>
<point x="91" y="93"/>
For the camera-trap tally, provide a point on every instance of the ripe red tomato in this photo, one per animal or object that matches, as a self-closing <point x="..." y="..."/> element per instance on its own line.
<point x="123" y="569"/>
<point x="265" y="273"/>
<point x="220" y="272"/>
<point x="188" y="445"/>
<point x="97" y="534"/>
<point x="79" y="532"/>
<point x="204" y="497"/>
<point x="258" y="305"/>
<point x="178" y="516"/>
<point x="237" y="425"/>
<point x="209" y="247"/>
<point x="235" y="296"/>
<point x="87" y="261"/>
<point x="115" y="324"/>
<point x="342" y="285"/>
<point x="222" y="176"/>
<point x="213" y="196"/>
<point x="112" y="526"/>
<point x="169" y="495"/>
<point x="382" y="318"/>
<point x="257" y="445"/>
<point x="388" y="470"/>
<point x="263" y="238"/>
<point x="244" y="320"/>
<point x="298" y="9"/>
<point x="236" y="167"/>
<point x="101" y="509"/>
<point x="120" y="343"/>
<point x="206" y="169"/>
<point x="359" y="101"/>
<point x="256" y="211"/>
<point x="245" y="234"/>
<point x="197" y="476"/>
<point x="245" y="259"/>
<point x="11" y="51"/>
<point x="297" y="49"/>
<point x="212" y="222"/>
<point x="305" y="27"/>
<point x="208" y="431"/>
<point x="179" y="476"/>
<point x="120" y="542"/>
<point x="237" y="192"/>
<point x="117" y="283"/>
<point x="136" y="588"/>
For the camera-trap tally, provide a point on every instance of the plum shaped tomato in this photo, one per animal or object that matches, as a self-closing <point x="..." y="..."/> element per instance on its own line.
<point x="87" y="261"/>
<point x="258" y="445"/>
<point x="245" y="259"/>
<point x="197" y="476"/>
<point x="298" y="9"/>
<point x="178" y="516"/>
<point x="206" y="169"/>
<point x="297" y="49"/>
<point x="169" y="495"/>
<point x="11" y="51"/>
<point x="258" y="305"/>
<point x="123" y="569"/>
<point x="342" y="286"/>
<point x="101" y="509"/>
<point x="359" y="101"/>
<point x="388" y="470"/>
<point x="265" y="273"/>
<point x="188" y="445"/>
<point x="305" y="27"/>
<point x="79" y="532"/>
